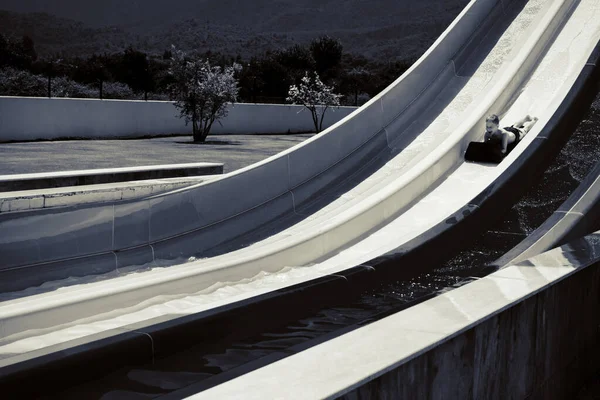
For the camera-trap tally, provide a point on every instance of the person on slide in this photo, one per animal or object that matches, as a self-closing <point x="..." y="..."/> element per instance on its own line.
<point x="506" y="138"/>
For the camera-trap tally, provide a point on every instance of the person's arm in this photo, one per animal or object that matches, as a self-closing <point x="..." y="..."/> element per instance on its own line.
<point x="504" y="142"/>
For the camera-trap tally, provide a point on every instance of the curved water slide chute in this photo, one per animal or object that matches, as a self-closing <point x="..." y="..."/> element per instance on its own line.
<point x="283" y="188"/>
<point x="382" y="178"/>
<point x="577" y="217"/>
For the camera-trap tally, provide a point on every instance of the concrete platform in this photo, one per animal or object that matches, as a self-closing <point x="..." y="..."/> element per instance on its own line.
<point x="17" y="182"/>
<point x="72" y="195"/>
<point x="234" y="151"/>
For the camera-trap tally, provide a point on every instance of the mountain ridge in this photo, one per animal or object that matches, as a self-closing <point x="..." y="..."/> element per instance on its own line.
<point x="395" y="29"/>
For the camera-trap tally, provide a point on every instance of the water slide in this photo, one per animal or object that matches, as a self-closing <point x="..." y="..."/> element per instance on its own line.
<point x="578" y="216"/>
<point x="386" y="177"/>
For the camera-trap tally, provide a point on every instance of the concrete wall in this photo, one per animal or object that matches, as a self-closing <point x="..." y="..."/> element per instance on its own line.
<point x="29" y="118"/>
<point x="544" y="347"/>
<point x="35" y="181"/>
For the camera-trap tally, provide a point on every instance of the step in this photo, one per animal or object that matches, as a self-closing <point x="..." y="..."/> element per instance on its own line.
<point x="72" y="195"/>
<point x="19" y="182"/>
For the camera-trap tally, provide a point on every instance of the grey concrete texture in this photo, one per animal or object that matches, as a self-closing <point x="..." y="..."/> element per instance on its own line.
<point x="100" y="119"/>
<point x="17" y="182"/>
<point x="68" y="196"/>
<point x="235" y="151"/>
<point x="530" y="350"/>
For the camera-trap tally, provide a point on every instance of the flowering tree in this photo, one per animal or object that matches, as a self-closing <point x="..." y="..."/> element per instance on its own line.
<point x="315" y="96"/>
<point x="201" y="91"/>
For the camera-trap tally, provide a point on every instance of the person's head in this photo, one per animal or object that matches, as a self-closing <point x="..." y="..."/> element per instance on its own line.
<point x="492" y="122"/>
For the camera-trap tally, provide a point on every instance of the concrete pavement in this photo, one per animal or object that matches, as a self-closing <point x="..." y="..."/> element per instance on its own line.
<point x="235" y="151"/>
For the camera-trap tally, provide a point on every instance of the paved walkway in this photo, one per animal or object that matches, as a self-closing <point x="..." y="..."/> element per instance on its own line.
<point x="235" y="151"/>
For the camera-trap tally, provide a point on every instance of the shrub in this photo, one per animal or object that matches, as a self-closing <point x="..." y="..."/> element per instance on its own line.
<point x="15" y="82"/>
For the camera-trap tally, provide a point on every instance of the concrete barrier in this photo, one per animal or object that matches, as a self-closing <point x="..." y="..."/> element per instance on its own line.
<point x="105" y="192"/>
<point x="33" y="118"/>
<point x="527" y="331"/>
<point x="17" y="182"/>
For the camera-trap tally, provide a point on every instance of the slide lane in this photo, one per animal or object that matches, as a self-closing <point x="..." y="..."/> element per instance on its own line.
<point x="45" y="311"/>
<point x="542" y="95"/>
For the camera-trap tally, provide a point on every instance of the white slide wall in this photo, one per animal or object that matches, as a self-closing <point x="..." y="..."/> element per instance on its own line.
<point x="30" y="118"/>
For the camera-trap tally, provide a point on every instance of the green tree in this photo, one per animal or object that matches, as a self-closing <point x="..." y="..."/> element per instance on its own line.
<point x="16" y="53"/>
<point x="201" y="91"/>
<point x="296" y="59"/>
<point x="250" y="81"/>
<point x="355" y="82"/>
<point x="28" y="50"/>
<point x="4" y="52"/>
<point x="327" y="53"/>
<point x="275" y="79"/>
<point x="98" y="72"/>
<point x="135" y="71"/>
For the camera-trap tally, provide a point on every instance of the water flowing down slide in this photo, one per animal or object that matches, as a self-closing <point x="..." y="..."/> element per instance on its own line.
<point x="577" y="217"/>
<point x="391" y="175"/>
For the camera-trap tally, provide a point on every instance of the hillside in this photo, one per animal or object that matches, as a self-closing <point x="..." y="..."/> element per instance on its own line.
<point x="56" y="35"/>
<point x="377" y="28"/>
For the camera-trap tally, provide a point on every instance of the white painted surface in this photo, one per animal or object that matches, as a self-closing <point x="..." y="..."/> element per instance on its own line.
<point x="339" y="365"/>
<point x="29" y="118"/>
<point x="502" y="82"/>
